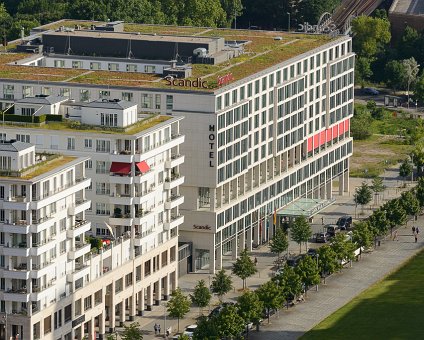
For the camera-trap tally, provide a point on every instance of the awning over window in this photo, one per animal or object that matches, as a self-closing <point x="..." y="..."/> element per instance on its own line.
<point x="120" y="168"/>
<point x="310" y="144"/>
<point x="143" y="167"/>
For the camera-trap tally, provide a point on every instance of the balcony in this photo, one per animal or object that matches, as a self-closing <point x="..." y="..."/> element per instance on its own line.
<point x="18" y="272"/>
<point x="121" y="179"/>
<point x="78" y="251"/>
<point x="125" y="219"/>
<point x="121" y="199"/>
<point x="174" y="222"/>
<point x="176" y="159"/>
<point x="79" y="184"/>
<point x="18" y="294"/>
<point x="79" y="228"/>
<point x="173" y="182"/>
<point x="16" y="249"/>
<point x="81" y="270"/>
<point x="79" y="207"/>
<point x="174" y="202"/>
<point x="15" y="227"/>
<point x="123" y="156"/>
<point x="16" y="203"/>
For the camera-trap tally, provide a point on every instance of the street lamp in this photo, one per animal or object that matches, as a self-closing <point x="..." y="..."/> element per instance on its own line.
<point x="288" y="23"/>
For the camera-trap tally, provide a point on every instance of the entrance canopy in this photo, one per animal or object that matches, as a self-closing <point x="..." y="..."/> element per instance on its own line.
<point x="307" y="207"/>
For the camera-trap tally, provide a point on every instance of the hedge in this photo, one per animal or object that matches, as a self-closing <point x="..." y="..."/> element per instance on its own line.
<point x="31" y="119"/>
<point x="54" y="118"/>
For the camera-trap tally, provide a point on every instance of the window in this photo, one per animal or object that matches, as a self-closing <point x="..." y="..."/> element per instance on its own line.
<point x="101" y="167"/>
<point x="113" y="67"/>
<point x="146" y="101"/>
<point x="89" y="164"/>
<point x="104" y="94"/>
<point x="9" y="92"/>
<point x="65" y="92"/>
<point x="157" y="101"/>
<point x="88" y="143"/>
<point x="149" y="69"/>
<point x="84" y="95"/>
<point x="59" y="63"/>
<point x="71" y="143"/>
<point x="27" y="91"/>
<point x="102" y="188"/>
<point x="47" y="91"/>
<point x="131" y="68"/>
<point x="102" y="209"/>
<point x="102" y="145"/>
<point x="128" y="96"/>
<point x="169" y="102"/>
<point x="5" y="164"/>
<point x="87" y="303"/>
<point x="109" y="119"/>
<point x="77" y="64"/>
<point x="23" y="138"/>
<point x="95" y="66"/>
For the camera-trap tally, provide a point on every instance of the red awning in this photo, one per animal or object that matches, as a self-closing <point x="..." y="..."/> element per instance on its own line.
<point x="322" y="136"/>
<point x="316" y="141"/>
<point x="143" y="167"/>
<point x="346" y="125"/>
<point x="335" y="131"/>
<point x="120" y="168"/>
<point x="310" y="147"/>
<point x="341" y="128"/>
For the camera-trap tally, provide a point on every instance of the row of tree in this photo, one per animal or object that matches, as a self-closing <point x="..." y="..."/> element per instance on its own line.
<point x="271" y="14"/>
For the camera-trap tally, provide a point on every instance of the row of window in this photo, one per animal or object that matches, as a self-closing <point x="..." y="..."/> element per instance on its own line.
<point x="95" y="65"/>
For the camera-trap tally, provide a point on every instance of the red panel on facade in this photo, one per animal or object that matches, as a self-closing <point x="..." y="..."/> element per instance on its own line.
<point x="120" y="168"/>
<point x="346" y="125"/>
<point x="316" y="141"/>
<point x="341" y="128"/>
<point x="329" y="135"/>
<point x="335" y="131"/>
<point x="310" y="146"/>
<point x="322" y="137"/>
<point x="143" y="167"/>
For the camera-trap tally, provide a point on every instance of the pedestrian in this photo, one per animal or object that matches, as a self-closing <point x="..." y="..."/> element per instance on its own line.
<point x="159" y="329"/>
<point x="256" y="261"/>
<point x="417" y="230"/>
<point x="155" y="327"/>
<point x="413" y="229"/>
<point x="416" y="237"/>
<point x="395" y="236"/>
<point x="322" y="220"/>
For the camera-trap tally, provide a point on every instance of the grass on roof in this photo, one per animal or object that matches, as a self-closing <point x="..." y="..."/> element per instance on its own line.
<point x="47" y="166"/>
<point x="67" y="125"/>
<point x="261" y="52"/>
<point x="390" y="309"/>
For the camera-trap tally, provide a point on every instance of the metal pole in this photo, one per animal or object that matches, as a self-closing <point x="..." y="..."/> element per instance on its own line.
<point x="316" y="287"/>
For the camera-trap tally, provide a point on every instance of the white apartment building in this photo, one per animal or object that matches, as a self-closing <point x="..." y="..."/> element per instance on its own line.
<point x="134" y="211"/>
<point x="259" y="134"/>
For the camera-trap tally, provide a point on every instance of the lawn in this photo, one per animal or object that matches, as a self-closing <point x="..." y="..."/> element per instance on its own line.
<point x="390" y="309"/>
<point x="372" y="156"/>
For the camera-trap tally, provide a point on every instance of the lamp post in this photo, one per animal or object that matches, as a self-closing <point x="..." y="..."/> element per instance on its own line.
<point x="317" y="255"/>
<point x="288" y="22"/>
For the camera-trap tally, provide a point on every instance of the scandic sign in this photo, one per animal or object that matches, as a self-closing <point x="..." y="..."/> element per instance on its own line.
<point x="198" y="82"/>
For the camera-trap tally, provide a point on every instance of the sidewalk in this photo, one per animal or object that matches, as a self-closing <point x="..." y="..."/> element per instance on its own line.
<point x="340" y="288"/>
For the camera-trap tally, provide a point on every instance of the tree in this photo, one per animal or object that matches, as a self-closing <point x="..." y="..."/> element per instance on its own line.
<point x="417" y="156"/>
<point x="221" y="284"/>
<point x="279" y="242"/>
<point x="412" y="69"/>
<point x="344" y="249"/>
<point x="363" y="70"/>
<point x="132" y="332"/>
<point x="371" y="35"/>
<point x="327" y="260"/>
<point x="377" y="186"/>
<point x="362" y="235"/>
<point x="419" y="191"/>
<point x="244" y="267"/>
<point x="207" y="328"/>
<point x="232" y="9"/>
<point x="396" y="214"/>
<point x="300" y="231"/>
<point x="271" y="296"/>
<point x="409" y="203"/>
<point x="230" y="323"/>
<point x="362" y="195"/>
<point x="419" y="89"/>
<point x="308" y="272"/>
<point x="178" y="306"/>
<point x="394" y="72"/>
<point x="250" y="307"/>
<point x="405" y="169"/>
<point x="312" y="10"/>
<point x="201" y="295"/>
<point x="379" y="221"/>
<point x="290" y="283"/>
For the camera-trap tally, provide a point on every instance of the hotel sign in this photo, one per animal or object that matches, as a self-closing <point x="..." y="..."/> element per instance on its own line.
<point x="198" y="83"/>
<point x="201" y="227"/>
<point x="224" y="80"/>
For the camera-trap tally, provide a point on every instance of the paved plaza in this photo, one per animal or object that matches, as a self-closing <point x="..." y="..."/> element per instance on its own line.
<point x="339" y="289"/>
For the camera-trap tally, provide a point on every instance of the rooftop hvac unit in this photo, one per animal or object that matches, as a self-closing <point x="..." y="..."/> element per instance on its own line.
<point x="200" y="52"/>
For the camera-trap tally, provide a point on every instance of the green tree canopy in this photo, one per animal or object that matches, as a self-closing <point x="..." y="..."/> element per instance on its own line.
<point x="230" y="323"/>
<point x="244" y="267"/>
<point x="360" y="126"/>
<point x="207" y="328"/>
<point x="379" y="221"/>
<point x="395" y="213"/>
<point x="132" y="332"/>
<point x="290" y="283"/>
<point x="363" y="194"/>
<point x="250" y="307"/>
<point x="271" y="296"/>
<point x="201" y="295"/>
<point x="363" y="235"/>
<point x="409" y="203"/>
<point x="221" y="284"/>
<point x="300" y="231"/>
<point x="178" y="306"/>
<point x="405" y="169"/>
<point x="328" y="262"/>
<point x="419" y="89"/>
<point x="279" y="242"/>
<point x="395" y="74"/>
<point x="344" y="249"/>
<point x="308" y="271"/>
<point x="419" y="191"/>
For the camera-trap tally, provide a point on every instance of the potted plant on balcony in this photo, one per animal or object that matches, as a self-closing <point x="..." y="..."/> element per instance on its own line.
<point x="117" y="212"/>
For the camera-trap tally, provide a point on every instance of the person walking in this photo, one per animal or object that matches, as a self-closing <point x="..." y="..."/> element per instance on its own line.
<point x="256" y="261"/>
<point x="416" y="237"/>
<point x="417" y="230"/>
<point x="158" y="328"/>
<point x="395" y="236"/>
<point x="155" y="327"/>
<point x="413" y="229"/>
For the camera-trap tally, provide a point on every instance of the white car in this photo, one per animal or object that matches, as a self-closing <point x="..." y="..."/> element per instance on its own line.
<point x="190" y="330"/>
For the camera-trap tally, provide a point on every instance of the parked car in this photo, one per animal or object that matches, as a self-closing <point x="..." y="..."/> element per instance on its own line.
<point x="294" y="261"/>
<point x="332" y="229"/>
<point x="219" y="308"/>
<point x="344" y="222"/>
<point x="312" y="252"/>
<point x="189" y="331"/>
<point x="322" y="237"/>
<point x="371" y="91"/>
